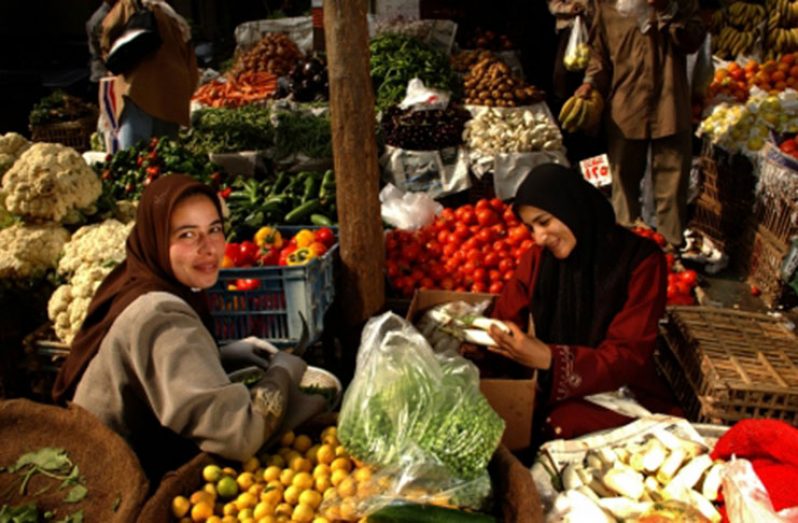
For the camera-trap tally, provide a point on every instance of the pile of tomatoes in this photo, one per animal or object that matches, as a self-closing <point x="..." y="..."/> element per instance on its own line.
<point x="472" y="248"/>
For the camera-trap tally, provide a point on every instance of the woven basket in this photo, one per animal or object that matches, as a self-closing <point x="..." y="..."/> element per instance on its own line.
<point x="764" y="270"/>
<point x="726" y="365"/>
<point x="776" y="207"/>
<point x="74" y="133"/>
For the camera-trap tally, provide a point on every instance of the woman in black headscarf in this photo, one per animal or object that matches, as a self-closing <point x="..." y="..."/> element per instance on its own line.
<point x="583" y="304"/>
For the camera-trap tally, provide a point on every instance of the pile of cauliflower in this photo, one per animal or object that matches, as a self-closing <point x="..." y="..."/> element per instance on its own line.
<point x="89" y="256"/>
<point x="29" y="251"/>
<point x="12" y="145"/>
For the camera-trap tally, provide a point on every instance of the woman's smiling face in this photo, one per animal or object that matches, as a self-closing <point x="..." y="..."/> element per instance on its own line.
<point x="548" y="231"/>
<point x="196" y="242"/>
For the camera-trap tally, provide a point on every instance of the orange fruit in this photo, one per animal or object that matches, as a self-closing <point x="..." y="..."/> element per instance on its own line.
<point x="778" y="76"/>
<point x="794" y="71"/>
<point x="780" y="86"/>
<point x="788" y="59"/>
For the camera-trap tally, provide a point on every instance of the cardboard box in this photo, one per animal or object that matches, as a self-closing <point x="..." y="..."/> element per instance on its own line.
<point x="512" y="399"/>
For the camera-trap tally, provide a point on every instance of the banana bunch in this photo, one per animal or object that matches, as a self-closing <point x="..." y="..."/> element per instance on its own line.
<point x="582" y="113"/>
<point x="717" y="22"/>
<point x="783" y="40"/>
<point x="731" y="42"/>
<point x="786" y="10"/>
<point x="747" y="16"/>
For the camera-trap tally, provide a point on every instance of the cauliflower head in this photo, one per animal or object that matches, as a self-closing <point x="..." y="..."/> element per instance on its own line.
<point x="12" y="145"/>
<point x="69" y="304"/>
<point x="97" y="244"/>
<point x="30" y="250"/>
<point x="48" y="182"/>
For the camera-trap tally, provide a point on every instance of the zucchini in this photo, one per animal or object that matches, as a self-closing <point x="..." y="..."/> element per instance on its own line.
<point x="300" y="212"/>
<point x="321" y="220"/>
<point x="415" y="513"/>
<point x="279" y="184"/>
<point x="311" y="187"/>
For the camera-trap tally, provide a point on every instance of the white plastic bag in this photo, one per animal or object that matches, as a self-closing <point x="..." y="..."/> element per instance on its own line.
<point x="577" y="53"/>
<point x="407" y="210"/>
<point x="422" y="98"/>
<point x="747" y="501"/>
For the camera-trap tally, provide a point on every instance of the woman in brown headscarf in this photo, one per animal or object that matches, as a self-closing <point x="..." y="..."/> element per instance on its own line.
<point x="145" y="361"/>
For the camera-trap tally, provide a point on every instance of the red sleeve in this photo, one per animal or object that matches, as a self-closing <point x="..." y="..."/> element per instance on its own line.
<point x="513" y="303"/>
<point x="627" y="350"/>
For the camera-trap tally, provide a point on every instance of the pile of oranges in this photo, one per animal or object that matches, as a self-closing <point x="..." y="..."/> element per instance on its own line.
<point x="772" y="76"/>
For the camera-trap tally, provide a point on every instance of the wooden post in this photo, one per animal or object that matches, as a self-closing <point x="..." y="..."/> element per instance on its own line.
<point x="362" y="250"/>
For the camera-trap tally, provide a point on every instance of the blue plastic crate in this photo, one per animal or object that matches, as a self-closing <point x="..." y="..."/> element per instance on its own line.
<point x="275" y="311"/>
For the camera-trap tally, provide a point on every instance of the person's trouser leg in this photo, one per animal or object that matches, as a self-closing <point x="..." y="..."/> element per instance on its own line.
<point x="134" y="125"/>
<point x="628" y="164"/>
<point x="670" y="171"/>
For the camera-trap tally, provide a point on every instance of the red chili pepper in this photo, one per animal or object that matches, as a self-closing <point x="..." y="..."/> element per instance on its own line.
<point x="153" y="170"/>
<point x="225" y="193"/>
<point x="247" y="284"/>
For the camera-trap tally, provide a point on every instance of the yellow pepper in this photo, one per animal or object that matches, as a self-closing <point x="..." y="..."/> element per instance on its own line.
<point x="304" y="238"/>
<point x="268" y="237"/>
<point x="301" y="256"/>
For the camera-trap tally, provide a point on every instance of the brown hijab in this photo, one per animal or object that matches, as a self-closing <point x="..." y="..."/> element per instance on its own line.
<point x="146" y="269"/>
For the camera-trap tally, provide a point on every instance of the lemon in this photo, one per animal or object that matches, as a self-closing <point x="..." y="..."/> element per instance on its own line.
<point x="301" y="465"/>
<point x="276" y="461"/>
<point x="212" y="473"/>
<point x="330" y="493"/>
<point x="271" y="473"/>
<point x="338" y="476"/>
<point x="341" y="464"/>
<point x="332" y="430"/>
<point x="210" y="488"/>
<point x="230" y="509"/>
<point x="347" y="487"/>
<point x="214" y="519"/>
<point x="283" y="509"/>
<point x="230" y="471"/>
<point x="268" y="519"/>
<point x="245" y="514"/>
<point x="302" y="443"/>
<point x="333" y="513"/>
<point x="330" y="439"/>
<point x="180" y="506"/>
<point x="275" y="484"/>
<point x="363" y="474"/>
<point x="320" y="519"/>
<point x="244" y="501"/>
<point x="201" y="511"/>
<point x="229" y="519"/>
<point x="310" y="455"/>
<point x="227" y="487"/>
<point x="303" y="480"/>
<point x="245" y="480"/>
<point x="287" y="439"/>
<point x="263" y="509"/>
<point x="256" y="489"/>
<point x="321" y="470"/>
<point x="290" y="456"/>
<point x="322" y="483"/>
<point x="310" y="498"/>
<point x="286" y="476"/>
<point x="302" y="513"/>
<point x="291" y="495"/>
<point x="326" y="454"/>
<point x="348" y="508"/>
<point x="251" y="464"/>
<point x="340" y="451"/>
<point x="201" y="496"/>
<point x="272" y="496"/>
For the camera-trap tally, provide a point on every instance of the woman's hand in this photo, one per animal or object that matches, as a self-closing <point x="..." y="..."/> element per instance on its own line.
<point x="584" y="90"/>
<point x="517" y="346"/>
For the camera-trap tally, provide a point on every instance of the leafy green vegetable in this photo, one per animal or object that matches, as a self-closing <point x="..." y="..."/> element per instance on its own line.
<point x="59" y="107"/>
<point x="302" y="132"/>
<point x="22" y="514"/>
<point x="222" y="130"/>
<point x="50" y="459"/>
<point x="77" y="494"/>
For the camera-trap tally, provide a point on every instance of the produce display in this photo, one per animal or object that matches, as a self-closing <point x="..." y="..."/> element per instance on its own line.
<point x="50" y="182"/>
<point x="464" y="60"/>
<point x="736" y="29"/>
<point x="397" y="59"/>
<point x="425" y="130"/>
<point x="734" y="82"/>
<point x="12" y="145"/>
<point x="579" y="113"/>
<point x="308" y="80"/>
<point x="472" y="248"/>
<point x="275" y="53"/>
<point x="247" y="128"/>
<point x="59" y="107"/>
<point x="681" y="282"/>
<point x="234" y="91"/>
<point x="782" y="33"/>
<point x="637" y="479"/>
<point x="300" y="132"/>
<point x="490" y="82"/>
<point x="288" y="484"/>
<point x="268" y="247"/>
<point x="494" y="131"/>
<point x="30" y="251"/>
<point x="127" y="172"/>
<point x="306" y="197"/>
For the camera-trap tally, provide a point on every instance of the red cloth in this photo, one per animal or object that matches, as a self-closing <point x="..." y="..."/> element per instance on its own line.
<point x="772" y="448"/>
<point x="624" y="357"/>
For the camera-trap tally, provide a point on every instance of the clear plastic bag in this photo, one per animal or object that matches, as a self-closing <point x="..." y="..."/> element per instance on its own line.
<point x="419" y="419"/>
<point x="577" y="52"/>
<point x="746" y="497"/>
<point x="407" y="210"/>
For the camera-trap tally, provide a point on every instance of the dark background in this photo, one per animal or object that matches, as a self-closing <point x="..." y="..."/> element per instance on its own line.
<point x="44" y="41"/>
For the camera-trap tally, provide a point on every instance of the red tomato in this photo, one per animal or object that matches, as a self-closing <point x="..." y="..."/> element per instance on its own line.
<point x="496" y="287"/>
<point x="499" y="231"/>
<point x="671" y="292"/>
<point x="505" y="265"/>
<point x="485" y="236"/>
<point x="411" y="251"/>
<point x="482" y="204"/>
<point x="469" y="267"/>
<point x="507" y="276"/>
<point x="390" y="243"/>
<point x="479" y="274"/>
<point x="427" y="283"/>
<point x="518" y="234"/>
<point x="465" y="215"/>
<point x="689" y="276"/>
<point x="486" y="218"/>
<point x="494" y="275"/>
<point x="474" y="255"/>
<point x="526" y="245"/>
<point x="448" y="250"/>
<point x="451" y="265"/>
<point x="683" y="287"/>
<point x="447" y="284"/>
<point x="491" y="259"/>
<point x="461" y="231"/>
<point x="392" y="268"/>
<point x="324" y="235"/>
<point x="478" y="286"/>
<point x="446" y="215"/>
<point x="509" y="217"/>
<point x="434" y="248"/>
<point x="470" y="244"/>
<point x="497" y="204"/>
<point x="443" y="237"/>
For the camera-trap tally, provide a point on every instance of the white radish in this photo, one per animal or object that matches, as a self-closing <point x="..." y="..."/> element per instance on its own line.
<point x="623" y="508"/>
<point x="671" y="464"/>
<point x="625" y="481"/>
<point x="689" y="475"/>
<point x="712" y="481"/>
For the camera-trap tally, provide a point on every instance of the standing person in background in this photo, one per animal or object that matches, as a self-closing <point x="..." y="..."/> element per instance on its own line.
<point x="93" y="31"/>
<point x="157" y="91"/>
<point x="638" y="51"/>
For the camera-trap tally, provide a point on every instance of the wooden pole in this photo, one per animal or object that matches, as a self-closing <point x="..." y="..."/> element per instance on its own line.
<point x="362" y="287"/>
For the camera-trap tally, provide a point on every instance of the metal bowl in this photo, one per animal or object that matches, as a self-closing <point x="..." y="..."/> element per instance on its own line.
<point x="313" y="377"/>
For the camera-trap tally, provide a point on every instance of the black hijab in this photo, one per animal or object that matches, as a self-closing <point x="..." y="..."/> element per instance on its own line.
<point x="576" y="299"/>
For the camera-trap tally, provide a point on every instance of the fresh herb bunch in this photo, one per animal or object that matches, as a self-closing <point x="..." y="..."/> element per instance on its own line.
<point x="396" y="59"/>
<point x="302" y="132"/>
<point x="222" y="130"/>
<point x="59" y="107"/>
<point x="424" y="130"/>
<point x="129" y="171"/>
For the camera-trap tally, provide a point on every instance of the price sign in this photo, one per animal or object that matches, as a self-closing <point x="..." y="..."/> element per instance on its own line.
<point x="596" y="170"/>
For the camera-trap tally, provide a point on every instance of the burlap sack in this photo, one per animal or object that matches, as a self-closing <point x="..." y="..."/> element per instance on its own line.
<point x="117" y="486"/>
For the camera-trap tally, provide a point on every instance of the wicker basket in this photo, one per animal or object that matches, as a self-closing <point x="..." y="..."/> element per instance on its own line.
<point x="726" y="365"/>
<point x="764" y="270"/>
<point x="776" y="207"/>
<point x="74" y="133"/>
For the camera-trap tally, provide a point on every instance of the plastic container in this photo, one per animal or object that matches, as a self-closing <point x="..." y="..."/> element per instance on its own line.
<point x="287" y="298"/>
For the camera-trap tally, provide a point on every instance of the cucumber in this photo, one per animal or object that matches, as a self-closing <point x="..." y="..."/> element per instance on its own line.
<point x="279" y="184"/>
<point x="320" y="219"/>
<point x="311" y="188"/>
<point x="415" y="513"/>
<point x="299" y="213"/>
